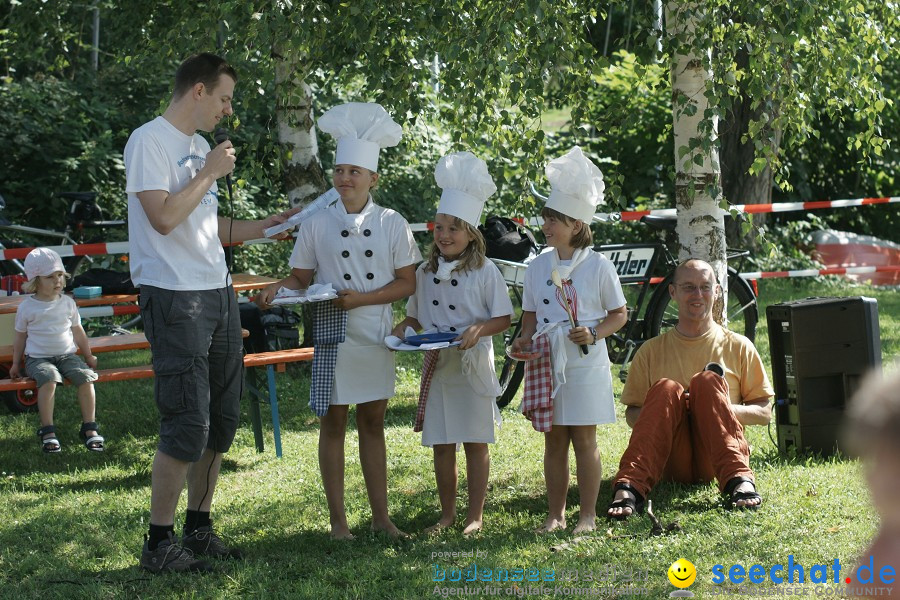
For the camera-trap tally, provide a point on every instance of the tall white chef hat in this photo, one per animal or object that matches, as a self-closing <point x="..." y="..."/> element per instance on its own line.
<point x="466" y="184"/>
<point x="362" y="129"/>
<point x="576" y="185"/>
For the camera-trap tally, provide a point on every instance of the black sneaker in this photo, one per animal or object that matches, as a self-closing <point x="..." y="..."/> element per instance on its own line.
<point x="715" y="368"/>
<point x="203" y="541"/>
<point x="171" y="557"/>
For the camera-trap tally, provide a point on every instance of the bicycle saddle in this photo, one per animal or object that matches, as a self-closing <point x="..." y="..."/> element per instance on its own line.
<point x="83" y="196"/>
<point x="657" y="222"/>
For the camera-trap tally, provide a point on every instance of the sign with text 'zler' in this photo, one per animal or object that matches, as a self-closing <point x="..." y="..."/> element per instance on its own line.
<point x="631" y="262"/>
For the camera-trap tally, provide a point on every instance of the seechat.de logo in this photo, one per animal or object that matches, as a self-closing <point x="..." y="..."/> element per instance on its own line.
<point x="682" y="574"/>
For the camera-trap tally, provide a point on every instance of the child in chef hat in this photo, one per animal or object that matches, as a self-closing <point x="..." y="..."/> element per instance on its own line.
<point x="459" y="291"/>
<point x="367" y="253"/>
<point x="568" y="390"/>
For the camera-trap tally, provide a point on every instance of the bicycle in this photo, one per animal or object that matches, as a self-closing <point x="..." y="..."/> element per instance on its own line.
<point x="640" y="268"/>
<point x="83" y="216"/>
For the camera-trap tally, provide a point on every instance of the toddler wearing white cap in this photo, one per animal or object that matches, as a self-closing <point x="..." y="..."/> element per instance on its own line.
<point x="568" y="391"/>
<point x="48" y="333"/>
<point x="459" y="291"/>
<point x="368" y="254"/>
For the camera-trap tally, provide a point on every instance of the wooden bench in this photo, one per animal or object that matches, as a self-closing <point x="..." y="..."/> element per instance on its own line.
<point x="272" y="361"/>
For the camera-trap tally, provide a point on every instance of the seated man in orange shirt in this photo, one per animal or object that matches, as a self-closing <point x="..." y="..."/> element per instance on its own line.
<point x="689" y="393"/>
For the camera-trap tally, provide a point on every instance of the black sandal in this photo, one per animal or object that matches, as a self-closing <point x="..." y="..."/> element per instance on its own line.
<point x="93" y="443"/>
<point x="732" y="497"/>
<point x="636" y="504"/>
<point x="51" y="444"/>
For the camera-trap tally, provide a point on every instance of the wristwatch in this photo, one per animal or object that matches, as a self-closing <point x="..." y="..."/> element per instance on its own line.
<point x="593" y="331"/>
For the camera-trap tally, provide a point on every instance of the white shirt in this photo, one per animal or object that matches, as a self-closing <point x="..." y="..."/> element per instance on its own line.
<point x="597" y="290"/>
<point x="48" y="325"/>
<point x="467" y="297"/>
<point x="160" y="157"/>
<point x="363" y="261"/>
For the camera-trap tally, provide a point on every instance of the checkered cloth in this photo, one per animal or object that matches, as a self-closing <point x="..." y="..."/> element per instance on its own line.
<point x="428" y="366"/>
<point x="537" y="403"/>
<point x="329" y="330"/>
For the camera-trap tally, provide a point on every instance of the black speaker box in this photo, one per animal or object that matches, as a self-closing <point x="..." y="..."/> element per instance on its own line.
<point x="821" y="348"/>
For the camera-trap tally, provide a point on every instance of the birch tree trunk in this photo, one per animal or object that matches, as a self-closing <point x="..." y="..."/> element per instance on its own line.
<point x="302" y="170"/>
<point x="698" y="186"/>
<point x="303" y="176"/>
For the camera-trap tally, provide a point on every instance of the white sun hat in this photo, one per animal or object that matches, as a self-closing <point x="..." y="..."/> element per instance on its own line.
<point x="41" y="262"/>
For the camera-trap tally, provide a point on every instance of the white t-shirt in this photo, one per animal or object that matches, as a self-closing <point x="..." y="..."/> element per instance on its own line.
<point x="160" y="157"/>
<point x="48" y="325"/>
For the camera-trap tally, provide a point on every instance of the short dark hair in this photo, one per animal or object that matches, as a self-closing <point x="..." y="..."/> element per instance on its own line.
<point x="202" y="68"/>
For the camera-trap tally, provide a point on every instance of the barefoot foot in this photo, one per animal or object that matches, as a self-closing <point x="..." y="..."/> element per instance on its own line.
<point x="552" y="524"/>
<point x="444" y="523"/>
<point x="473" y="526"/>
<point x="585" y="523"/>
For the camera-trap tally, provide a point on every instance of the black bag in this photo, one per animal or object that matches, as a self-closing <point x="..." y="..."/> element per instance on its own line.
<point x="110" y="282"/>
<point x="507" y="240"/>
<point x="282" y="327"/>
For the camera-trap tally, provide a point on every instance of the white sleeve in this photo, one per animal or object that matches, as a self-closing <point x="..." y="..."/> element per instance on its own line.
<point x="611" y="295"/>
<point x="528" y="300"/>
<point x="496" y="294"/>
<point x="304" y="255"/>
<point x="404" y="249"/>
<point x="145" y="164"/>
<point x="413" y="304"/>
<point x="74" y="315"/>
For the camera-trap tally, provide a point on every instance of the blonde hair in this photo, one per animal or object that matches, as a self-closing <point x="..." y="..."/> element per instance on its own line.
<point x="470" y="258"/>
<point x="581" y="239"/>
<point x="30" y="286"/>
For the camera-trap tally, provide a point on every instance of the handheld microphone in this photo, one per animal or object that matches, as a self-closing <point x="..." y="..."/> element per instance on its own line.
<point x="221" y="135"/>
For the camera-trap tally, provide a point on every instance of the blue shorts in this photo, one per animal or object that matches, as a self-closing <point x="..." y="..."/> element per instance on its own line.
<point x="195" y="338"/>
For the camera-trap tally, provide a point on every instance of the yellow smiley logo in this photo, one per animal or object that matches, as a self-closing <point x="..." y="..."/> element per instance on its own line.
<point x="682" y="573"/>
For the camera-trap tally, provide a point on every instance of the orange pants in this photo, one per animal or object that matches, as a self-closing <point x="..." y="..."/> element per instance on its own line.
<point x="689" y="438"/>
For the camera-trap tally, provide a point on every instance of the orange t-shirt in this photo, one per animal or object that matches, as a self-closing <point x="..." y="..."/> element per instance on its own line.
<point x="674" y="356"/>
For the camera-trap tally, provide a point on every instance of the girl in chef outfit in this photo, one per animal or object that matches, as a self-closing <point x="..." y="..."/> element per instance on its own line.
<point x="568" y="392"/>
<point x="368" y="254"/>
<point x="459" y="291"/>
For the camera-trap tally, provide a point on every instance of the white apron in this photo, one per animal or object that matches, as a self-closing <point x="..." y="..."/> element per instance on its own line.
<point x="462" y="406"/>
<point x="365" y="367"/>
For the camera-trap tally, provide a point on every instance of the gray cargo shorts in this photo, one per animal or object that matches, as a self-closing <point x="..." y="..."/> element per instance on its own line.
<point x="195" y="338"/>
<point x="55" y="368"/>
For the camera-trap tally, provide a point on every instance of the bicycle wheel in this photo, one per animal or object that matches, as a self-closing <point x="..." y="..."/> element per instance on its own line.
<point x="511" y="371"/>
<point x="742" y="312"/>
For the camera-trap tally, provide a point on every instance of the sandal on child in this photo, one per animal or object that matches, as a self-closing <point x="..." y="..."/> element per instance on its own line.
<point x="732" y="497"/>
<point x="93" y="443"/>
<point x="636" y="504"/>
<point x="49" y="445"/>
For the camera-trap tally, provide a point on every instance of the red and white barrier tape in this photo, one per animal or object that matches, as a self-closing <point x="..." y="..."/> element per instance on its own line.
<point x="817" y="272"/>
<point x="122" y="247"/>
<point x="67" y="251"/>
<point x="776" y="207"/>
<point x="88" y="312"/>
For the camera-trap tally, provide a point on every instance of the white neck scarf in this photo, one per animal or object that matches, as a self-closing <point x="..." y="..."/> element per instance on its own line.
<point x="565" y="271"/>
<point x="445" y="268"/>
<point x="353" y="222"/>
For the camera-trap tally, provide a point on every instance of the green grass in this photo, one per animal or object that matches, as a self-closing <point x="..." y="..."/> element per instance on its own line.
<point x="72" y="523"/>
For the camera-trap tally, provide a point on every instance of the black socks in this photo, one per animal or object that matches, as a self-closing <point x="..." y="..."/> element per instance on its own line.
<point x="194" y="520"/>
